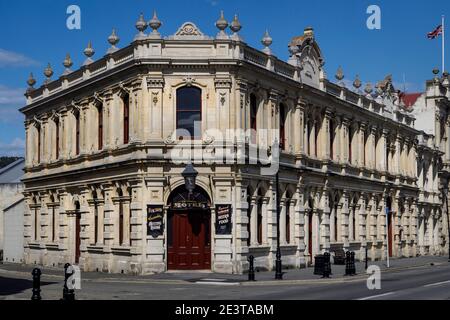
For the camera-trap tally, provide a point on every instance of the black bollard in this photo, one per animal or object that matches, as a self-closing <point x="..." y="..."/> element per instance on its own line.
<point x="251" y="268"/>
<point x="367" y="257"/>
<point x="352" y="264"/>
<point x="326" y="265"/>
<point x="347" y="263"/>
<point x="36" y="284"/>
<point x="68" y="294"/>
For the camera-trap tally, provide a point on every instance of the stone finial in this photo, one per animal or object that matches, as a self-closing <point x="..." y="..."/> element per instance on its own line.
<point x="31" y="82"/>
<point x="267" y="41"/>
<point x="67" y="63"/>
<point x="155" y="24"/>
<point x="368" y="89"/>
<point x="113" y="39"/>
<point x="141" y="26"/>
<point x="88" y="52"/>
<point x="48" y="72"/>
<point x="221" y="24"/>
<point x="339" y="74"/>
<point x="357" y="83"/>
<point x="235" y="27"/>
<point x="235" y="24"/>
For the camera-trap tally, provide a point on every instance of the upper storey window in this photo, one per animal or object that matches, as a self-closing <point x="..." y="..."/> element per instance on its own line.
<point x="189" y="111"/>
<point x="282" y="127"/>
<point x="253" y="113"/>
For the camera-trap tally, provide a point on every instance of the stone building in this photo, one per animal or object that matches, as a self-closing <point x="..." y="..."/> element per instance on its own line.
<point x="106" y="146"/>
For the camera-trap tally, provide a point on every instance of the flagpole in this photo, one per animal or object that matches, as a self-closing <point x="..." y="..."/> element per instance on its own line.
<point x="443" y="44"/>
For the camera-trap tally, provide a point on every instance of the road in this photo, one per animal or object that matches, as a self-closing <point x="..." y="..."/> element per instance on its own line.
<point x="419" y="283"/>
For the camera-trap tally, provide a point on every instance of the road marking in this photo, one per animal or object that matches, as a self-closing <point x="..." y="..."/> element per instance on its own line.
<point x="377" y="296"/>
<point x="436" y="284"/>
<point x="218" y="283"/>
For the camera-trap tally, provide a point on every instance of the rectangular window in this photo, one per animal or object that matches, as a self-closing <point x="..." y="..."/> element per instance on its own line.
<point x="57" y="139"/>
<point x="100" y="127"/>
<point x="126" y="119"/>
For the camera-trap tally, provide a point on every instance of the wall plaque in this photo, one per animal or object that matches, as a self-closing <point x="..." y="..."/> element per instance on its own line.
<point x="155" y="222"/>
<point x="223" y="219"/>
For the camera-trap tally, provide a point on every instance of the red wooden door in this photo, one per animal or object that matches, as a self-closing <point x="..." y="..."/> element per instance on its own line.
<point x="189" y="240"/>
<point x="77" y="238"/>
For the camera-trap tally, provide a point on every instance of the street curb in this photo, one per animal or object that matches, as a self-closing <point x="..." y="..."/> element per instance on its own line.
<point x="340" y="279"/>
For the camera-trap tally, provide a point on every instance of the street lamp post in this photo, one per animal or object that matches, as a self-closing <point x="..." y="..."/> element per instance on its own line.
<point x="278" y="272"/>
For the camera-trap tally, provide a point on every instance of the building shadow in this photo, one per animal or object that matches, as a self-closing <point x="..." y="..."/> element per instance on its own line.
<point x="9" y="286"/>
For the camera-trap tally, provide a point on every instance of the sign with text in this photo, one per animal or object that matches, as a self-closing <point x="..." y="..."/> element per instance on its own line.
<point x="155" y="223"/>
<point x="223" y="219"/>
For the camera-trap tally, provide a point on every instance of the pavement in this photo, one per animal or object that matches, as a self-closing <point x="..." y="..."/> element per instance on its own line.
<point x="410" y="278"/>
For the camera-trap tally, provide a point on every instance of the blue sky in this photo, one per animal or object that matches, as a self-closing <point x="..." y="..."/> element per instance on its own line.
<point x="34" y="33"/>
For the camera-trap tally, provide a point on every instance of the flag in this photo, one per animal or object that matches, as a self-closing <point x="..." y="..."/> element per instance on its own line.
<point x="435" y="33"/>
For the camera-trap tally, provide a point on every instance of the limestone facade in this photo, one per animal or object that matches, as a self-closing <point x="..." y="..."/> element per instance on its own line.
<point x="100" y="142"/>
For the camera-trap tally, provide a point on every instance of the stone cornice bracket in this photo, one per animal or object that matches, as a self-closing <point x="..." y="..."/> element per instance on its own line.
<point x="123" y="88"/>
<point x="37" y="120"/>
<point x="242" y="84"/>
<point x="97" y="99"/>
<point x="223" y="83"/>
<point x="75" y="106"/>
<point x="55" y="115"/>
<point x="157" y="82"/>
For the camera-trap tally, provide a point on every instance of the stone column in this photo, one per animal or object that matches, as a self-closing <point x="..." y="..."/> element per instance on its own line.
<point x="326" y="141"/>
<point x="155" y="86"/>
<point x="126" y="222"/>
<point x="381" y="157"/>
<point x="338" y="141"/>
<point x="345" y="139"/>
<point x="108" y="124"/>
<point x="64" y="137"/>
<point x="46" y="141"/>
<point x="138" y="225"/>
<point x="283" y="204"/>
<point x="361" y="145"/>
<point x="254" y="222"/>
<point x="325" y="222"/>
<point x="28" y="144"/>
<point x="299" y="226"/>
<point x="345" y="220"/>
<point x="299" y="128"/>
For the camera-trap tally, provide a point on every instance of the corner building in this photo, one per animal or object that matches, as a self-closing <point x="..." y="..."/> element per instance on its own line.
<point x="102" y="189"/>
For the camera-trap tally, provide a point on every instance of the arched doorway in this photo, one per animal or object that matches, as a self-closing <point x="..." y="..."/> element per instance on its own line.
<point x="189" y="230"/>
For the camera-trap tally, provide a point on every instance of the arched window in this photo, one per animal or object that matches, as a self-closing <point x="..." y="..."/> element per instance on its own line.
<point x="77" y="133"/>
<point x="126" y="118"/>
<point x="120" y="194"/>
<point x="282" y="127"/>
<point x="95" y="200"/>
<point x="189" y="110"/>
<point x="52" y="203"/>
<point x="259" y="218"/>
<point x="336" y="225"/>
<point x="56" y="138"/>
<point x="316" y="138"/>
<point x="249" y="216"/>
<point x="100" y="126"/>
<point x="288" y="218"/>
<point x="253" y="117"/>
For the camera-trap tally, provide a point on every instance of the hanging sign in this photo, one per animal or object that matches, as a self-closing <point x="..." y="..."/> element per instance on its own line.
<point x="155" y="223"/>
<point x="223" y="219"/>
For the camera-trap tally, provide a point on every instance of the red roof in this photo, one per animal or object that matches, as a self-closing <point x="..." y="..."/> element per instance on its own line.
<point x="409" y="99"/>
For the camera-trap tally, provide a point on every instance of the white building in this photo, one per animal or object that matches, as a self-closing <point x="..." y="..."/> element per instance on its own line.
<point x="103" y="188"/>
<point x="12" y="208"/>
